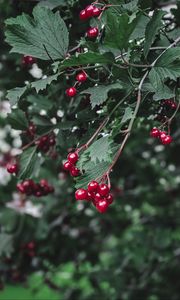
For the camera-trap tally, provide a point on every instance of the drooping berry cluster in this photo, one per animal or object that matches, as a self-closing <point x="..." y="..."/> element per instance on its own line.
<point x="29" y="187"/>
<point x="165" y="138"/>
<point x="89" y="12"/>
<point x="165" y="110"/>
<point x="70" y="164"/>
<point x="12" y="168"/>
<point x="169" y="103"/>
<point x="28" y="60"/>
<point x="45" y="142"/>
<point x="31" y="131"/>
<point x="98" y="194"/>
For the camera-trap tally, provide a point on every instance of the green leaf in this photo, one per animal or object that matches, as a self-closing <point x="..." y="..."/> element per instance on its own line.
<point x="100" y="150"/>
<point x="6" y="244"/>
<point x="43" y="83"/>
<point x="99" y="94"/>
<point x="88" y="58"/>
<point x="93" y="171"/>
<point x="118" y="30"/>
<point x="52" y="3"/>
<point x="40" y="102"/>
<point x="15" y="94"/>
<point x="45" y="36"/>
<point x="17" y="119"/>
<point x="128" y="114"/>
<point x="139" y="30"/>
<point x="152" y="29"/>
<point x="27" y="162"/>
<point x="168" y="57"/>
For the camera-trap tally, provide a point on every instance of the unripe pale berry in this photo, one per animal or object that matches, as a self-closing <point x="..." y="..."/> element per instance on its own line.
<point x="81" y="194"/>
<point x="102" y="206"/>
<point x="73" y="157"/>
<point x="71" y="92"/>
<point x="92" y="32"/>
<point x="103" y="189"/>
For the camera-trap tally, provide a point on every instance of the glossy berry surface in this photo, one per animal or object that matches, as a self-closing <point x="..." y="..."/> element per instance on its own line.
<point x="89" y="11"/>
<point x="81" y="194"/>
<point x="75" y="172"/>
<point x="162" y="135"/>
<point x="28" y="60"/>
<point x="96" y="12"/>
<point x="81" y="77"/>
<point x="71" y="92"/>
<point x="83" y="15"/>
<point x="12" y="168"/>
<point x="92" y="32"/>
<point x="93" y="186"/>
<point x="166" y="140"/>
<point x="110" y="199"/>
<point x="73" y="157"/>
<point x="102" y="206"/>
<point x="155" y="132"/>
<point x="103" y="189"/>
<point x="67" y="166"/>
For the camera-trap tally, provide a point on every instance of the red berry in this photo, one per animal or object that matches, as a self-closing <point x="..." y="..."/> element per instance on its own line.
<point x="103" y="189"/>
<point x="12" y="169"/>
<point x="44" y="183"/>
<point x="155" y="132"/>
<point x="81" y="194"/>
<point x="52" y="141"/>
<point x="81" y="77"/>
<point x="102" y="206"/>
<point x="83" y="15"/>
<point x="166" y="140"/>
<point x="90" y="196"/>
<point x="28" y="60"/>
<point x="75" y="172"/>
<point x="93" y="186"/>
<point x="110" y="199"/>
<point x="20" y="188"/>
<point x="71" y="92"/>
<point x="92" y="32"/>
<point x="173" y="105"/>
<point x="67" y="166"/>
<point x="73" y="157"/>
<point x="89" y="11"/>
<point x="31" y="245"/>
<point x="96" y="12"/>
<point x="162" y="135"/>
<point x="97" y="197"/>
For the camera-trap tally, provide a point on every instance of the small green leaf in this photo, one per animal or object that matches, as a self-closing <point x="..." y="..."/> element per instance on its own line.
<point x="6" y="244"/>
<point x="45" y="36"/>
<point x="42" y="84"/>
<point x="15" y="94"/>
<point x="17" y="119"/>
<point x="100" y="150"/>
<point x="99" y="94"/>
<point x="128" y="114"/>
<point x="152" y="29"/>
<point x="27" y="162"/>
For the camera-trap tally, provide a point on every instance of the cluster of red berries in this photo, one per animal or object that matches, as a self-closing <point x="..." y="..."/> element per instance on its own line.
<point x="29" y="187"/>
<point x="89" y="12"/>
<point x="98" y="194"/>
<point x="12" y="168"/>
<point x="28" y="60"/>
<point x="31" y="131"/>
<point x="165" y="138"/>
<point x="169" y="103"/>
<point x="69" y="165"/>
<point x="29" y="248"/>
<point x="45" y="142"/>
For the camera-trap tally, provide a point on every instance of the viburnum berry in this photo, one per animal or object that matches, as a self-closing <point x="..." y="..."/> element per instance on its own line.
<point x="93" y="186"/>
<point x="89" y="11"/>
<point x="102" y="206"/>
<point x="96" y="12"/>
<point x="110" y="199"/>
<point x="12" y="168"/>
<point x="29" y="187"/>
<point x="162" y="135"/>
<point x="83" y="15"/>
<point x="28" y="60"/>
<point x="81" y="77"/>
<point x="155" y="132"/>
<point x="166" y="140"/>
<point x="98" y="197"/>
<point x="20" y="188"/>
<point x="73" y="157"/>
<point x="74" y="172"/>
<point x="81" y="194"/>
<point x="92" y="32"/>
<point x="71" y="92"/>
<point x="67" y="166"/>
<point x="103" y="189"/>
